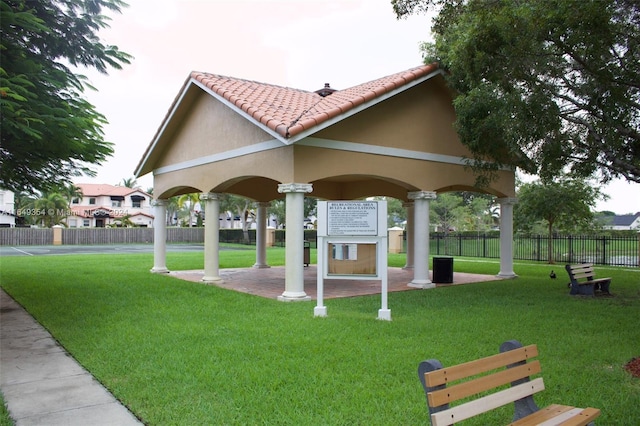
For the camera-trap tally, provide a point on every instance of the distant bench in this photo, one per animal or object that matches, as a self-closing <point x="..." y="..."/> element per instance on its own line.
<point x="583" y="281"/>
<point x="447" y="385"/>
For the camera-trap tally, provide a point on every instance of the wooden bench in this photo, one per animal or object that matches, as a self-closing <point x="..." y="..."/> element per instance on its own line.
<point x="583" y="281"/>
<point x="512" y="366"/>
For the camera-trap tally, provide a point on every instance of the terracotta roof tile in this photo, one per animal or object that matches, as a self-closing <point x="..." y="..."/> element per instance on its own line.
<point x="103" y="189"/>
<point x="290" y="111"/>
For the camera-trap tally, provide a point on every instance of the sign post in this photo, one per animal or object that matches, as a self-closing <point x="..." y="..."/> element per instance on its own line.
<point x="352" y="245"/>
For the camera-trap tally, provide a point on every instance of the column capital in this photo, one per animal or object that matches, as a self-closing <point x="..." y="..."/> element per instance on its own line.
<point x="263" y="203"/>
<point x="294" y="187"/>
<point x="422" y="195"/>
<point x="159" y="202"/>
<point x="508" y="200"/>
<point x="408" y="204"/>
<point x="209" y="196"/>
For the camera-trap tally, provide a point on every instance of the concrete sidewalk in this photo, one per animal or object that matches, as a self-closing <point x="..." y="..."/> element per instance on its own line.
<point x="42" y="384"/>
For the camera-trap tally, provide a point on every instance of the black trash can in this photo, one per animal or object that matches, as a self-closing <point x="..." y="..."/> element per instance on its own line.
<point x="306" y="253"/>
<point x="443" y="270"/>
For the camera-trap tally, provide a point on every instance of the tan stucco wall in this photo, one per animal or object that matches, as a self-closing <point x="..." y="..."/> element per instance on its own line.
<point x="419" y="120"/>
<point x="209" y="128"/>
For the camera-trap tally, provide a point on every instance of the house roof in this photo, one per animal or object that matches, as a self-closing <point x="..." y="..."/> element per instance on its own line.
<point x="288" y="112"/>
<point x="102" y="189"/>
<point x="625" y="219"/>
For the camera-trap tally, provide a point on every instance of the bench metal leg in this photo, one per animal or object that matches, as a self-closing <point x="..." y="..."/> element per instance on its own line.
<point x="525" y="406"/>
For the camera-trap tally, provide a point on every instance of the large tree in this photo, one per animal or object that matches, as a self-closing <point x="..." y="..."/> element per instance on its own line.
<point x="562" y="204"/>
<point x="548" y="86"/>
<point x="49" y="131"/>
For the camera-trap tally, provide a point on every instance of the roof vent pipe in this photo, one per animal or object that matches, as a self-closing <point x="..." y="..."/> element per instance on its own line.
<point x="325" y="91"/>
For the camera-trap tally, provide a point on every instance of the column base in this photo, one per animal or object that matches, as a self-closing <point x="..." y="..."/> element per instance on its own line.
<point x="294" y="297"/>
<point x="320" y="311"/>
<point x="384" y="314"/>
<point x="408" y="267"/>
<point x="159" y="270"/>
<point x="261" y="266"/>
<point x="212" y="280"/>
<point x="423" y="284"/>
<point x="509" y="275"/>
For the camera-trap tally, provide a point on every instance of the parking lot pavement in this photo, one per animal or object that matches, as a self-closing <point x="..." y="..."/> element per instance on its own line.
<point x="92" y="249"/>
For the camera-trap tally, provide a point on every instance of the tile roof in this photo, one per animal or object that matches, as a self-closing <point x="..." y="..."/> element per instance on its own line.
<point x="290" y="111"/>
<point x="99" y="189"/>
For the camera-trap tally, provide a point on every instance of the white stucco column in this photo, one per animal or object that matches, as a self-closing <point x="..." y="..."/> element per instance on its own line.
<point x="211" y="237"/>
<point x="506" y="237"/>
<point x="159" y="236"/>
<point x="421" y="238"/>
<point x="294" y="241"/>
<point x="409" y="230"/>
<point x="261" y="236"/>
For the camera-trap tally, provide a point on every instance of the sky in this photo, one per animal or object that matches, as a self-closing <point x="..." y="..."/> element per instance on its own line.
<point x="295" y="43"/>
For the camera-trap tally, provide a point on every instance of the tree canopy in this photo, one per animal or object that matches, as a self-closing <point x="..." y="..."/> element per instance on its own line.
<point x="50" y="133"/>
<point x="549" y="86"/>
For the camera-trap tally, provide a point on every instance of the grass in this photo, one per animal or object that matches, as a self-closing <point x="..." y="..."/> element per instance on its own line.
<point x="177" y="352"/>
<point x="5" y="419"/>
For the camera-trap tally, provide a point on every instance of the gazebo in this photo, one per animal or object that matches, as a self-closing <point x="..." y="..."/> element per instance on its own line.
<point x="392" y="136"/>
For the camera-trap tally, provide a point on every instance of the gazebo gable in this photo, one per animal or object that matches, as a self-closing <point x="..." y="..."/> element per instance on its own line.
<point x="281" y="114"/>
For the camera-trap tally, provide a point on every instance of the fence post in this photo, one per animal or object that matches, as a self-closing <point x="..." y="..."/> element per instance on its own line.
<point x="57" y="235"/>
<point x="484" y="245"/>
<point x="638" y="262"/>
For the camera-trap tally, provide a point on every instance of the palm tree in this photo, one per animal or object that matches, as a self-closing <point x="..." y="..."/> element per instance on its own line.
<point x="189" y="201"/>
<point x="50" y="209"/>
<point x="70" y="192"/>
<point x="128" y="182"/>
<point x="125" y="222"/>
<point x="172" y="211"/>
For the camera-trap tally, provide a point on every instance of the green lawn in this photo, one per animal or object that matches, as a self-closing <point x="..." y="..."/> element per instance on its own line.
<point x="177" y="352"/>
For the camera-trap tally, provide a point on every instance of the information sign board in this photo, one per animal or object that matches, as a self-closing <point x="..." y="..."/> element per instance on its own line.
<point x="356" y="218"/>
<point x="352" y="244"/>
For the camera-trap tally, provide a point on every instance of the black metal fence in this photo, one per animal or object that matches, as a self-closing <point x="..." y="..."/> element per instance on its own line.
<point x="620" y="250"/>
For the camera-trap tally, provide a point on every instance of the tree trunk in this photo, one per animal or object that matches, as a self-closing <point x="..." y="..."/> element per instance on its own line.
<point x="550" y="245"/>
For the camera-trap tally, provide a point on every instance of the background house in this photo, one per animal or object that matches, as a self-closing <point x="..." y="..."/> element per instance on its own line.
<point x="7" y="212"/>
<point x="624" y="222"/>
<point x="108" y="205"/>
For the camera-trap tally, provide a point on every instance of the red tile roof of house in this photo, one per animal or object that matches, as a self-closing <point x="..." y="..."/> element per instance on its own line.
<point x="100" y="189"/>
<point x="290" y="111"/>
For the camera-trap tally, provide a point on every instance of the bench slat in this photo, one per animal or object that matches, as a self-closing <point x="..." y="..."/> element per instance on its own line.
<point x="581" y="266"/>
<point x="472" y="368"/>
<point x="481" y="384"/>
<point x="543" y="415"/>
<point x="566" y="416"/>
<point x="559" y="415"/>
<point x="594" y="281"/>
<point x="486" y="403"/>
<point x="587" y="415"/>
<point x="581" y="275"/>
